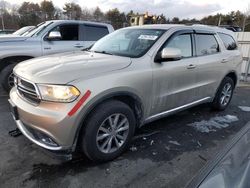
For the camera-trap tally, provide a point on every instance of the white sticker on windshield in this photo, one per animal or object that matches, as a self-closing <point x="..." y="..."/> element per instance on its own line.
<point x="148" y="37"/>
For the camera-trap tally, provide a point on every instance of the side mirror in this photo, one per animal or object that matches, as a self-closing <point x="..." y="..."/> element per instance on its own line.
<point x="54" y="35"/>
<point x="168" y="54"/>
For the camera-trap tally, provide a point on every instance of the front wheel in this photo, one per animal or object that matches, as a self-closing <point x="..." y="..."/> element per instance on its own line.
<point x="224" y="94"/>
<point x="108" y="131"/>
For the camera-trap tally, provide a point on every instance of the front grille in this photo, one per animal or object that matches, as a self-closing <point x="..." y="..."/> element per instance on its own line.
<point x="27" y="90"/>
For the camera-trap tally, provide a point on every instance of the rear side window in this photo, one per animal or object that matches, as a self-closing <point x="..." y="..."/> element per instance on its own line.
<point x="228" y="41"/>
<point x="94" y="33"/>
<point x="206" y="44"/>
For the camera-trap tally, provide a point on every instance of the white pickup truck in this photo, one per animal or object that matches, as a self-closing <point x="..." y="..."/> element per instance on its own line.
<point x="47" y="38"/>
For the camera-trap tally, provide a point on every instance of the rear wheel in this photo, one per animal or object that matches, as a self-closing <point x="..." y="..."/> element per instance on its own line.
<point x="108" y="131"/>
<point x="224" y="94"/>
<point x="7" y="77"/>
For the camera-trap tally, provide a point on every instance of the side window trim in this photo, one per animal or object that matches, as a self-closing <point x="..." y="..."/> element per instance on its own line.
<point x="81" y="32"/>
<point x="193" y="45"/>
<point x="177" y="33"/>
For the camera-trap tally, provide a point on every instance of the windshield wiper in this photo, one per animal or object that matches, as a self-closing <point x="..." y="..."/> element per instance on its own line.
<point x="87" y="49"/>
<point x="103" y="52"/>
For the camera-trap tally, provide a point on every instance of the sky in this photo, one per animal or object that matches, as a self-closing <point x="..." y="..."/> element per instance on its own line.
<point x="170" y="8"/>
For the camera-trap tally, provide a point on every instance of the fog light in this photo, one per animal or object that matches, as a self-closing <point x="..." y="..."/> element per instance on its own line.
<point x="46" y="139"/>
<point x="49" y="141"/>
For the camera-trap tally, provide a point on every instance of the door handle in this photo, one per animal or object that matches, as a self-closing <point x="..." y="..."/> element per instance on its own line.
<point x="78" y="46"/>
<point x="47" y="48"/>
<point x="224" y="61"/>
<point x="191" y="66"/>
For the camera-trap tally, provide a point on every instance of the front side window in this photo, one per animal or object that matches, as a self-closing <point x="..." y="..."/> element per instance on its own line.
<point x="68" y="32"/>
<point x="206" y="44"/>
<point x="228" y="41"/>
<point x="128" y="42"/>
<point x="94" y="33"/>
<point x="182" y="42"/>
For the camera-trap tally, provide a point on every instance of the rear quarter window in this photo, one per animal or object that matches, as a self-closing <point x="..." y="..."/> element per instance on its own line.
<point x="228" y="41"/>
<point x="94" y="33"/>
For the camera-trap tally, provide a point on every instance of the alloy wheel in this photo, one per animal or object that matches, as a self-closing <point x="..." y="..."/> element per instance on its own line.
<point x="226" y="94"/>
<point x="112" y="133"/>
<point x="11" y="80"/>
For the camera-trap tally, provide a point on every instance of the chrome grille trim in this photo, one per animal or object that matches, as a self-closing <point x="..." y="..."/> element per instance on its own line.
<point x="27" y="90"/>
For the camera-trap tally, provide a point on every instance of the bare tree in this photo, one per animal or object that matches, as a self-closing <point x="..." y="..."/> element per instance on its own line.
<point x="3" y="5"/>
<point x="87" y="14"/>
<point x="98" y="14"/>
<point x="48" y="9"/>
<point x="72" y="11"/>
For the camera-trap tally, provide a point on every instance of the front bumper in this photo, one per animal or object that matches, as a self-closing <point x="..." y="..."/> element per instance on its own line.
<point x="47" y="125"/>
<point x="31" y="136"/>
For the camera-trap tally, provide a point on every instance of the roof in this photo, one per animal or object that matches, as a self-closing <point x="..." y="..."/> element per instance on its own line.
<point x="78" y="21"/>
<point x="182" y="26"/>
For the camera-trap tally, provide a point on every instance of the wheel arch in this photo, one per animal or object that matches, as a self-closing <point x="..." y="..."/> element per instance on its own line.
<point x="233" y="76"/>
<point x="13" y="59"/>
<point x="129" y="98"/>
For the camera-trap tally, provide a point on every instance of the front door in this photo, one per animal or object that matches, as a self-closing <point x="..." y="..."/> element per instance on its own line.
<point x="175" y="81"/>
<point x="69" y="40"/>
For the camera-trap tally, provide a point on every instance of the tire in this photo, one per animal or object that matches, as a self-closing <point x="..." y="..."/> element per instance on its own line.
<point x="6" y="78"/>
<point x="225" y="90"/>
<point x="98" y="126"/>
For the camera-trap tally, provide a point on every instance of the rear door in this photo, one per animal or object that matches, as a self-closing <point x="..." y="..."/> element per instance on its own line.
<point x="68" y="42"/>
<point x="211" y="67"/>
<point x="90" y="33"/>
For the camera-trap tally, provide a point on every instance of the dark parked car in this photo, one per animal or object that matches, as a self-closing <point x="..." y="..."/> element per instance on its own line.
<point x="232" y="28"/>
<point x="230" y="168"/>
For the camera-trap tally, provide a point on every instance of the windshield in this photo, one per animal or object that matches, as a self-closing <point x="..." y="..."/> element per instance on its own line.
<point x="128" y="42"/>
<point x="23" y="30"/>
<point x="38" y="29"/>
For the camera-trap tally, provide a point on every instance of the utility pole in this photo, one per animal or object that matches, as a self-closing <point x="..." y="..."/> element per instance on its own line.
<point x="244" y="23"/>
<point x="246" y="15"/>
<point x="2" y="8"/>
<point x="219" y="20"/>
<point x="2" y="22"/>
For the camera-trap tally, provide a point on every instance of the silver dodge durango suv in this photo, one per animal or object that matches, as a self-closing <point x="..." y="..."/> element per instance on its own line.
<point x="94" y="100"/>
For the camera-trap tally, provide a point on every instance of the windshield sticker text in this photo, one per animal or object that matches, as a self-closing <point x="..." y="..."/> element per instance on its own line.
<point x="148" y="37"/>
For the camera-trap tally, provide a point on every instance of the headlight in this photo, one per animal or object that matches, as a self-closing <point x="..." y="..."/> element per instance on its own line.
<point x="58" y="93"/>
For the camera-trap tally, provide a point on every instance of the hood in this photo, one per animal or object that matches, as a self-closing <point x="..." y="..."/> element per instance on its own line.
<point x="12" y="38"/>
<point x="67" y="67"/>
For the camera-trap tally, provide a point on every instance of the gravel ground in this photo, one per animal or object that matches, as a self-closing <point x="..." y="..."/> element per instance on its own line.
<point x="165" y="153"/>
